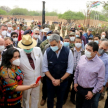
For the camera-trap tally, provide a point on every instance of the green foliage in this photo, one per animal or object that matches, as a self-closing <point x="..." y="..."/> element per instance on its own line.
<point x="21" y="11"/>
<point x="35" y="13"/>
<point x="71" y="15"/>
<point x="102" y="17"/>
<point x="18" y="11"/>
<point x="105" y="7"/>
<point x="53" y="13"/>
<point x="3" y="12"/>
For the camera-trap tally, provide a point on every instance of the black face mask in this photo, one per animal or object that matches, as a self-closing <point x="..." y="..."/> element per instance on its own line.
<point x="9" y="46"/>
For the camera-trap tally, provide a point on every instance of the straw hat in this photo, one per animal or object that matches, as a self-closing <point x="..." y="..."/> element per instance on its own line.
<point x="27" y="42"/>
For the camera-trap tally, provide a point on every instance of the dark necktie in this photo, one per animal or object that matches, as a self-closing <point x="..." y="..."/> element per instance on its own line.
<point x="31" y="60"/>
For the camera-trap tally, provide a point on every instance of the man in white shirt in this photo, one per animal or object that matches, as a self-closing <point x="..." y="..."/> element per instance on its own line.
<point x="31" y="63"/>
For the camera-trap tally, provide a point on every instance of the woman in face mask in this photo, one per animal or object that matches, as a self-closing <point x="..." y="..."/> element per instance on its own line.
<point x="11" y="80"/>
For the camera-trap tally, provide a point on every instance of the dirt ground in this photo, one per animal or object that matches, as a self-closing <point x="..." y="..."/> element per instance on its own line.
<point x="68" y="103"/>
<point x="55" y="18"/>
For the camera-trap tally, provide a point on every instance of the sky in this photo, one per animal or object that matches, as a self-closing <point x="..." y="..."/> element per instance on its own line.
<point x="51" y="5"/>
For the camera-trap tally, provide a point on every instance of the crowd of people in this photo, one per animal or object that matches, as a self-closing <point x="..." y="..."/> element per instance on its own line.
<point x="75" y="63"/>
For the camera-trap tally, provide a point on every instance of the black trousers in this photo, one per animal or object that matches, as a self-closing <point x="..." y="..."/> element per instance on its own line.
<point x="44" y="89"/>
<point x="106" y="103"/>
<point x="81" y="102"/>
<point x="73" y="92"/>
<point x="58" y="90"/>
<point x="70" y="79"/>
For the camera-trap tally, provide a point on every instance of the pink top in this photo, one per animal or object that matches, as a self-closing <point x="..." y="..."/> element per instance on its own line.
<point x="17" y="31"/>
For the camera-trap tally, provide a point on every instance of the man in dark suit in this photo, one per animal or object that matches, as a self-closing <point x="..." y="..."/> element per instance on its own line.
<point x="36" y="36"/>
<point x="14" y="37"/>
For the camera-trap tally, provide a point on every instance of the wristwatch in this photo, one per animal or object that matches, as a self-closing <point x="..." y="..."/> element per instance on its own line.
<point x="61" y="80"/>
<point x="93" y="93"/>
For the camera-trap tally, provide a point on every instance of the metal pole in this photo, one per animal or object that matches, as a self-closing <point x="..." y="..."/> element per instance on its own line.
<point x="43" y="13"/>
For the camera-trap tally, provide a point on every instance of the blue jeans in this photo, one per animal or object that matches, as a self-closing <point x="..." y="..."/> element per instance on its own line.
<point x="58" y="90"/>
<point x="96" y="100"/>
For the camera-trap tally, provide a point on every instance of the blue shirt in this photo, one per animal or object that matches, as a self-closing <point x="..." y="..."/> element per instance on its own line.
<point x="44" y="38"/>
<point x="87" y="37"/>
<point x="104" y="58"/>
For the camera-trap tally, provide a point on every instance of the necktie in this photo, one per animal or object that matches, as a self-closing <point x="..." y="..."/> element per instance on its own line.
<point x="31" y="60"/>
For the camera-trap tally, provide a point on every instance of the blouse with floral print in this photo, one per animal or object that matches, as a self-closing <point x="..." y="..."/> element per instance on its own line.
<point x="9" y="80"/>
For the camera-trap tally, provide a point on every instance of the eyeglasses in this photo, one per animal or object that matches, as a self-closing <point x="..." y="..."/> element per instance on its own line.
<point x="15" y="36"/>
<point x="37" y="33"/>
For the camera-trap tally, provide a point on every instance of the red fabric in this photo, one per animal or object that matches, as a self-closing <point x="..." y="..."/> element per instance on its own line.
<point x="32" y="34"/>
<point x="19" y="37"/>
<point x="79" y="26"/>
<point x="31" y="61"/>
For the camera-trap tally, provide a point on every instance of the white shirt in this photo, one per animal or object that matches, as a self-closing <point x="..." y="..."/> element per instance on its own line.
<point x="8" y="34"/>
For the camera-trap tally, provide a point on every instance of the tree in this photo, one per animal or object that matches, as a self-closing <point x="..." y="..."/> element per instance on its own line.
<point x="2" y="12"/>
<point x="70" y="15"/>
<point x="102" y="17"/>
<point x="53" y="13"/>
<point x="18" y="11"/>
<point x="34" y="13"/>
<point x="5" y="8"/>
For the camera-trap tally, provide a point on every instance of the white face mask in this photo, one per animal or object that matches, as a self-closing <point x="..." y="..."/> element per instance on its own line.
<point x="9" y="28"/>
<point x="2" y="48"/>
<point x="15" y="39"/>
<point x="36" y="36"/>
<point x="16" y="62"/>
<point x="88" y="54"/>
<point x="78" y="45"/>
<point x="72" y="38"/>
<point x="4" y="33"/>
<point x="90" y="41"/>
<point x="103" y="36"/>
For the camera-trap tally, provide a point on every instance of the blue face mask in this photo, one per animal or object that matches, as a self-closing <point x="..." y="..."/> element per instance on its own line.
<point x="96" y="41"/>
<point x="28" y="51"/>
<point x="55" y="48"/>
<point x="18" y="28"/>
<point x="66" y="44"/>
<point x="77" y="35"/>
<point x="48" y="37"/>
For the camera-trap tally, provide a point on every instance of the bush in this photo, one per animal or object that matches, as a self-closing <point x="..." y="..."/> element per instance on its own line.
<point x="72" y="15"/>
<point x="2" y="12"/>
<point x="18" y="11"/>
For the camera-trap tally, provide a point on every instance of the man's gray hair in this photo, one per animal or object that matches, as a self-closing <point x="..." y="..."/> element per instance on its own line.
<point x="55" y="37"/>
<point x="104" y="39"/>
<point x="3" y="25"/>
<point x="105" y="43"/>
<point x="35" y="30"/>
<point x="9" y="23"/>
